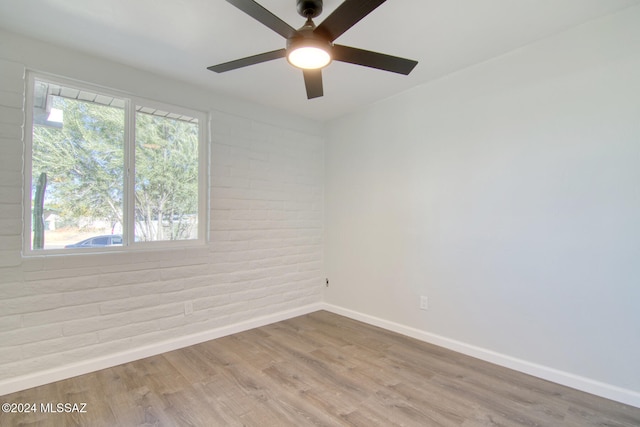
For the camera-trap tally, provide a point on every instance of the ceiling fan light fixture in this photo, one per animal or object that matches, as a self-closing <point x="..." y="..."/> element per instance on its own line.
<point x="309" y="57"/>
<point x="308" y="51"/>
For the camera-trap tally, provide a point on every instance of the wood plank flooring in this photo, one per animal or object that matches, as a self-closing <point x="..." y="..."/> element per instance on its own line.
<point x="319" y="369"/>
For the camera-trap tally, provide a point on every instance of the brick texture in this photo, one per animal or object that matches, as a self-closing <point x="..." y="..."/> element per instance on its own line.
<point x="264" y="253"/>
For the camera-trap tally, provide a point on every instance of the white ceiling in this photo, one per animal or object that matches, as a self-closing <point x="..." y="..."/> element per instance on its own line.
<point x="180" y="38"/>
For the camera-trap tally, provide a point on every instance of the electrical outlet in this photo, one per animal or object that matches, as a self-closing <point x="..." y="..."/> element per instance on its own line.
<point x="188" y="308"/>
<point x="424" y="303"/>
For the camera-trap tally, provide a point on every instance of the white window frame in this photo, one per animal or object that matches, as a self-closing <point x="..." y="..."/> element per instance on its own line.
<point x="131" y="101"/>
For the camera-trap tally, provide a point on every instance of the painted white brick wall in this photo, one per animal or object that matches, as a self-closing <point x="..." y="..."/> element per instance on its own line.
<point x="264" y="255"/>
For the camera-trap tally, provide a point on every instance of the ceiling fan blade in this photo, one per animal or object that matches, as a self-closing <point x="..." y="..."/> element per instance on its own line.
<point x="377" y="60"/>
<point x="249" y="60"/>
<point x="345" y="17"/>
<point x="313" y="83"/>
<point x="267" y="18"/>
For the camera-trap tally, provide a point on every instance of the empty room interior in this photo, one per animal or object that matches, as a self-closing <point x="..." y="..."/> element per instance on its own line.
<point x="439" y="227"/>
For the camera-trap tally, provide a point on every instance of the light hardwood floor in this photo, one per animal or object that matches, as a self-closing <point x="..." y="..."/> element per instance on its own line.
<point x="319" y="369"/>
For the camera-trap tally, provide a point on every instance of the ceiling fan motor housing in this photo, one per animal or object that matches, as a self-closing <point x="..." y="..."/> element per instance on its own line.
<point x="309" y="8"/>
<point x="306" y="37"/>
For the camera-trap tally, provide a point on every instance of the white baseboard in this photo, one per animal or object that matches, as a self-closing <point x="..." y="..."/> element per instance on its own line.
<point x="577" y="382"/>
<point x="63" y="372"/>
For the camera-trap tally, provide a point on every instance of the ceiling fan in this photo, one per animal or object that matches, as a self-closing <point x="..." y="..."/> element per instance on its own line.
<point x="311" y="47"/>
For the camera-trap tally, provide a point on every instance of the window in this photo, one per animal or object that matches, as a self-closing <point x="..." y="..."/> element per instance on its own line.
<point x="111" y="171"/>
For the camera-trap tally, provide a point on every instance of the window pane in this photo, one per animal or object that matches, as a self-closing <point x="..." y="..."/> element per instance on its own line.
<point x="77" y="148"/>
<point x="166" y="178"/>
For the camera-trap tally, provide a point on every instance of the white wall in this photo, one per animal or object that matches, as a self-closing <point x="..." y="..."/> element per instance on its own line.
<point x="61" y="316"/>
<point x="509" y="194"/>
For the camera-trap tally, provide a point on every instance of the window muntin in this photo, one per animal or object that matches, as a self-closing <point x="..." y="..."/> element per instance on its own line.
<point x="114" y="165"/>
